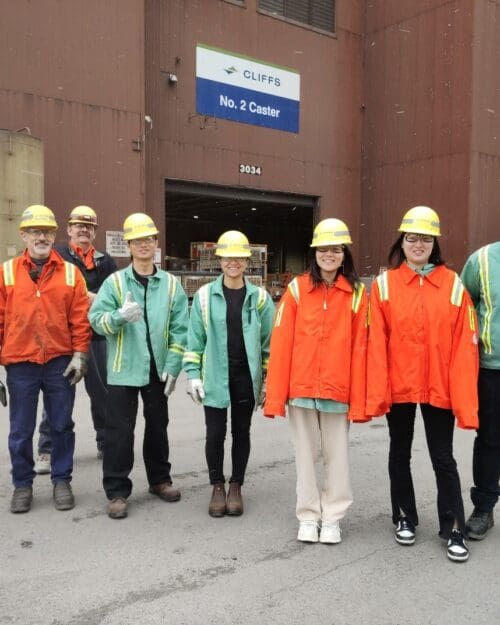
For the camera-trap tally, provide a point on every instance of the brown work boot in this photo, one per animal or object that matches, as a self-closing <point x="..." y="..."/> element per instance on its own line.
<point x="217" y="505"/>
<point x="234" y="502"/>
<point x="117" y="508"/>
<point x="165" y="491"/>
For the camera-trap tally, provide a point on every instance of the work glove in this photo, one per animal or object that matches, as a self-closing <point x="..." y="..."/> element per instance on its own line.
<point x="196" y="391"/>
<point x="262" y="396"/>
<point x="77" y="366"/>
<point x="169" y="383"/>
<point x="130" y="311"/>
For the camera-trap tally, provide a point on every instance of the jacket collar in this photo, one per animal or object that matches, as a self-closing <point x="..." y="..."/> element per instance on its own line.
<point x="217" y="286"/>
<point x="129" y="273"/>
<point x="53" y="259"/>
<point x="340" y="283"/>
<point x="435" y="277"/>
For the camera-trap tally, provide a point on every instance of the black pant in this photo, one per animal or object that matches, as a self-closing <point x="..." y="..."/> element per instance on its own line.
<point x="439" y="426"/>
<point x="486" y="457"/>
<point x="119" y="436"/>
<point x="242" y="404"/>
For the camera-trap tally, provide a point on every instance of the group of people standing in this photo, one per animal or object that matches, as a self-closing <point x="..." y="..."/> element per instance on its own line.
<point x="330" y="352"/>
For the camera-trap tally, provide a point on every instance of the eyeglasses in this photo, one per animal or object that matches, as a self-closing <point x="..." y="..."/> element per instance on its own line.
<point x="335" y="249"/>
<point x="228" y="260"/>
<point x="413" y="238"/>
<point x="38" y="232"/>
<point x="147" y="240"/>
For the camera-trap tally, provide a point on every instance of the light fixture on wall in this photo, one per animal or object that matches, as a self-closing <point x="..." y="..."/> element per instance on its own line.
<point x="172" y="78"/>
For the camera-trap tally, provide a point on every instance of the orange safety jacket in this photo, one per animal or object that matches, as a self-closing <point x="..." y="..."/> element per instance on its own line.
<point x="318" y="346"/>
<point x="422" y="343"/>
<point x="43" y="320"/>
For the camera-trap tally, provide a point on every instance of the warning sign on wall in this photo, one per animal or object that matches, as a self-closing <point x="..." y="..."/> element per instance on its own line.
<point x="115" y="245"/>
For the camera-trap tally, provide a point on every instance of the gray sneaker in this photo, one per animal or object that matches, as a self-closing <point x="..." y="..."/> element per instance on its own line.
<point x="479" y="523"/>
<point x="63" y="496"/>
<point x="21" y="499"/>
<point x="42" y="464"/>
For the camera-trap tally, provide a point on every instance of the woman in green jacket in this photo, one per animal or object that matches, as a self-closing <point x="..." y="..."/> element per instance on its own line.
<point x="226" y="360"/>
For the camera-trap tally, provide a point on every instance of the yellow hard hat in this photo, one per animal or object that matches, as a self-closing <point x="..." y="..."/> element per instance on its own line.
<point x="83" y="215"/>
<point x="139" y="225"/>
<point x="233" y="244"/>
<point x="331" y="232"/>
<point x="38" y="216"/>
<point x="421" y="220"/>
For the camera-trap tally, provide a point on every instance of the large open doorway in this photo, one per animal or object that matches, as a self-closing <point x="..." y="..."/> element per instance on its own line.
<point x="280" y="223"/>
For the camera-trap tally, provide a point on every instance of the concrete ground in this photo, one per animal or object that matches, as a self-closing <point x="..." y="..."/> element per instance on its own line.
<point x="172" y="563"/>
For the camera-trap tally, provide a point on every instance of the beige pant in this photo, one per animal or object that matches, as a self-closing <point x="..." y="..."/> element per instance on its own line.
<point x="317" y="433"/>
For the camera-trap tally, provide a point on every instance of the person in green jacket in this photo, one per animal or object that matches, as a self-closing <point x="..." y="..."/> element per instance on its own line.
<point x="143" y="313"/>
<point x="226" y="360"/>
<point x="481" y="277"/>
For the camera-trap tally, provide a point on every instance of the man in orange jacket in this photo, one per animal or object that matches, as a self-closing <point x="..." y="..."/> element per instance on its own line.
<point x="44" y="338"/>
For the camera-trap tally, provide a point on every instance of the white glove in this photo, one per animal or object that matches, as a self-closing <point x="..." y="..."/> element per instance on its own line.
<point x="130" y="311"/>
<point x="78" y="366"/>
<point x="169" y="383"/>
<point x="196" y="391"/>
<point x="262" y="396"/>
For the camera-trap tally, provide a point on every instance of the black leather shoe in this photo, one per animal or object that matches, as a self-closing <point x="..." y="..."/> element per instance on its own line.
<point x="479" y="523"/>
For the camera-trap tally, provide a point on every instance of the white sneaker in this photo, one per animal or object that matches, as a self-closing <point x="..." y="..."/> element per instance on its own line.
<point x="330" y="533"/>
<point x="42" y="464"/>
<point x="308" y="532"/>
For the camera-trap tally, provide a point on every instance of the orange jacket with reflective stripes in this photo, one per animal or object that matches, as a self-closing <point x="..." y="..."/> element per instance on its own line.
<point x="422" y="343"/>
<point x="318" y="346"/>
<point x="40" y="321"/>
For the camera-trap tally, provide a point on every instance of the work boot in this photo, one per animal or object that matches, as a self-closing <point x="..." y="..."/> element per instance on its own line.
<point x="234" y="502"/>
<point x="165" y="491"/>
<point x="479" y="523"/>
<point x="117" y="508"/>
<point x="217" y="505"/>
<point x="21" y="499"/>
<point x="63" y="496"/>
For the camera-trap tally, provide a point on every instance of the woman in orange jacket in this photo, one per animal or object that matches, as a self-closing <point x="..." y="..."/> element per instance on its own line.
<point x="318" y="366"/>
<point x="422" y="349"/>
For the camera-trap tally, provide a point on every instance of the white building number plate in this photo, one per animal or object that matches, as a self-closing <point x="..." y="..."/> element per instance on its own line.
<point x="253" y="170"/>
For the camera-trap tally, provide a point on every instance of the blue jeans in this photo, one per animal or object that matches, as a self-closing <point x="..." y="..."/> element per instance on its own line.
<point x="25" y="380"/>
<point x="97" y="390"/>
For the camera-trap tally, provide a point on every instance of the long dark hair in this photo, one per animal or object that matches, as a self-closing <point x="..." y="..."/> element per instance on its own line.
<point x="397" y="256"/>
<point x="347" y="269"/>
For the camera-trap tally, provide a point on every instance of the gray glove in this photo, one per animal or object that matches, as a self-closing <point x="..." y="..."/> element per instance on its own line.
<point x="169" y="383"/>
<point x="130" y="311"/>
<point x="77" y="366"/>
<point x="196" y="391"/>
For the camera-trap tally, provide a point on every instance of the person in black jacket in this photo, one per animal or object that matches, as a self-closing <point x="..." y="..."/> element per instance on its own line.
<point x="96" y="267"/>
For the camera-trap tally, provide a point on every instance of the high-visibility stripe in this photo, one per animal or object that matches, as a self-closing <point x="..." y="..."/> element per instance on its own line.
<point x="175" y="347"/>
<point x="8" y="272"/>
<point x="484" y="277"/>
<point x="457" y="291"/>
<point x="70" y="273"/>
<point x="265" y="363"/>
<point x="279" y="314"/>
<point x="105" y="323"/>
<point x="262" y="298"/>
<point x="192" y="357"/>
<point x="356" y="297"/>
<point x="117" y="363"/>
<point x="472" y="322"/>
<point x="116" y="278"/>
<point x="203" y="298"/>
<point x="383" y="286"/>
<point x="294" y="289"/>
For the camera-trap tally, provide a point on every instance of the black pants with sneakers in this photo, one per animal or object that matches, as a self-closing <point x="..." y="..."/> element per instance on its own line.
<point x="439" y="427"/>
<point x="242" y="405"/>
<point x="121" y="413"/>
<point x="486" y="456"/>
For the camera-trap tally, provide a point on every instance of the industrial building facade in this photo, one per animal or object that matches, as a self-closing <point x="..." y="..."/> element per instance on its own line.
<point x="261" y="115"/>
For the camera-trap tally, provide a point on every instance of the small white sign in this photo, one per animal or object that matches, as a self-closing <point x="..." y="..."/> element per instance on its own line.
<point x="115" y="244"/>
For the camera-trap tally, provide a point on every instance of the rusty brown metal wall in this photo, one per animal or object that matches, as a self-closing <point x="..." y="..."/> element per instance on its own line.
<point x="418" y="124"/>
<point x="484" y="197"/>
<point x="323" y="159"/>
<point x="73" y="72"/>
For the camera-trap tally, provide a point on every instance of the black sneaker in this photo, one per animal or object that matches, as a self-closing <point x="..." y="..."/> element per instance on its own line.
<point x="479" y="523"/>
<point x="405" y="532"/>
<point x="457" y="549"/>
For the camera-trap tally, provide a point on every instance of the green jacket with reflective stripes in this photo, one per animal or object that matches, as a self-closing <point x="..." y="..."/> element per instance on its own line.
<point x="206" y="354"/>
<point x="481" y="277"/>
<point x="167" y="309"/>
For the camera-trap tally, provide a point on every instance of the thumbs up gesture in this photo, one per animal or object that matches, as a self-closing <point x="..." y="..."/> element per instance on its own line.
<point x="130" y="311"/>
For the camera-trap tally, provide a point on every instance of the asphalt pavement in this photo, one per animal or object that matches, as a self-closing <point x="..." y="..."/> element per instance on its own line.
<point x="170" y="563"/>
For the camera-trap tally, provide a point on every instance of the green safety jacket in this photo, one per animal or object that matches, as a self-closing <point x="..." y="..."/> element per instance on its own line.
<point x="481" y="277"/>
<point x="206" y="354"/>
<point x="167" y="308"/>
